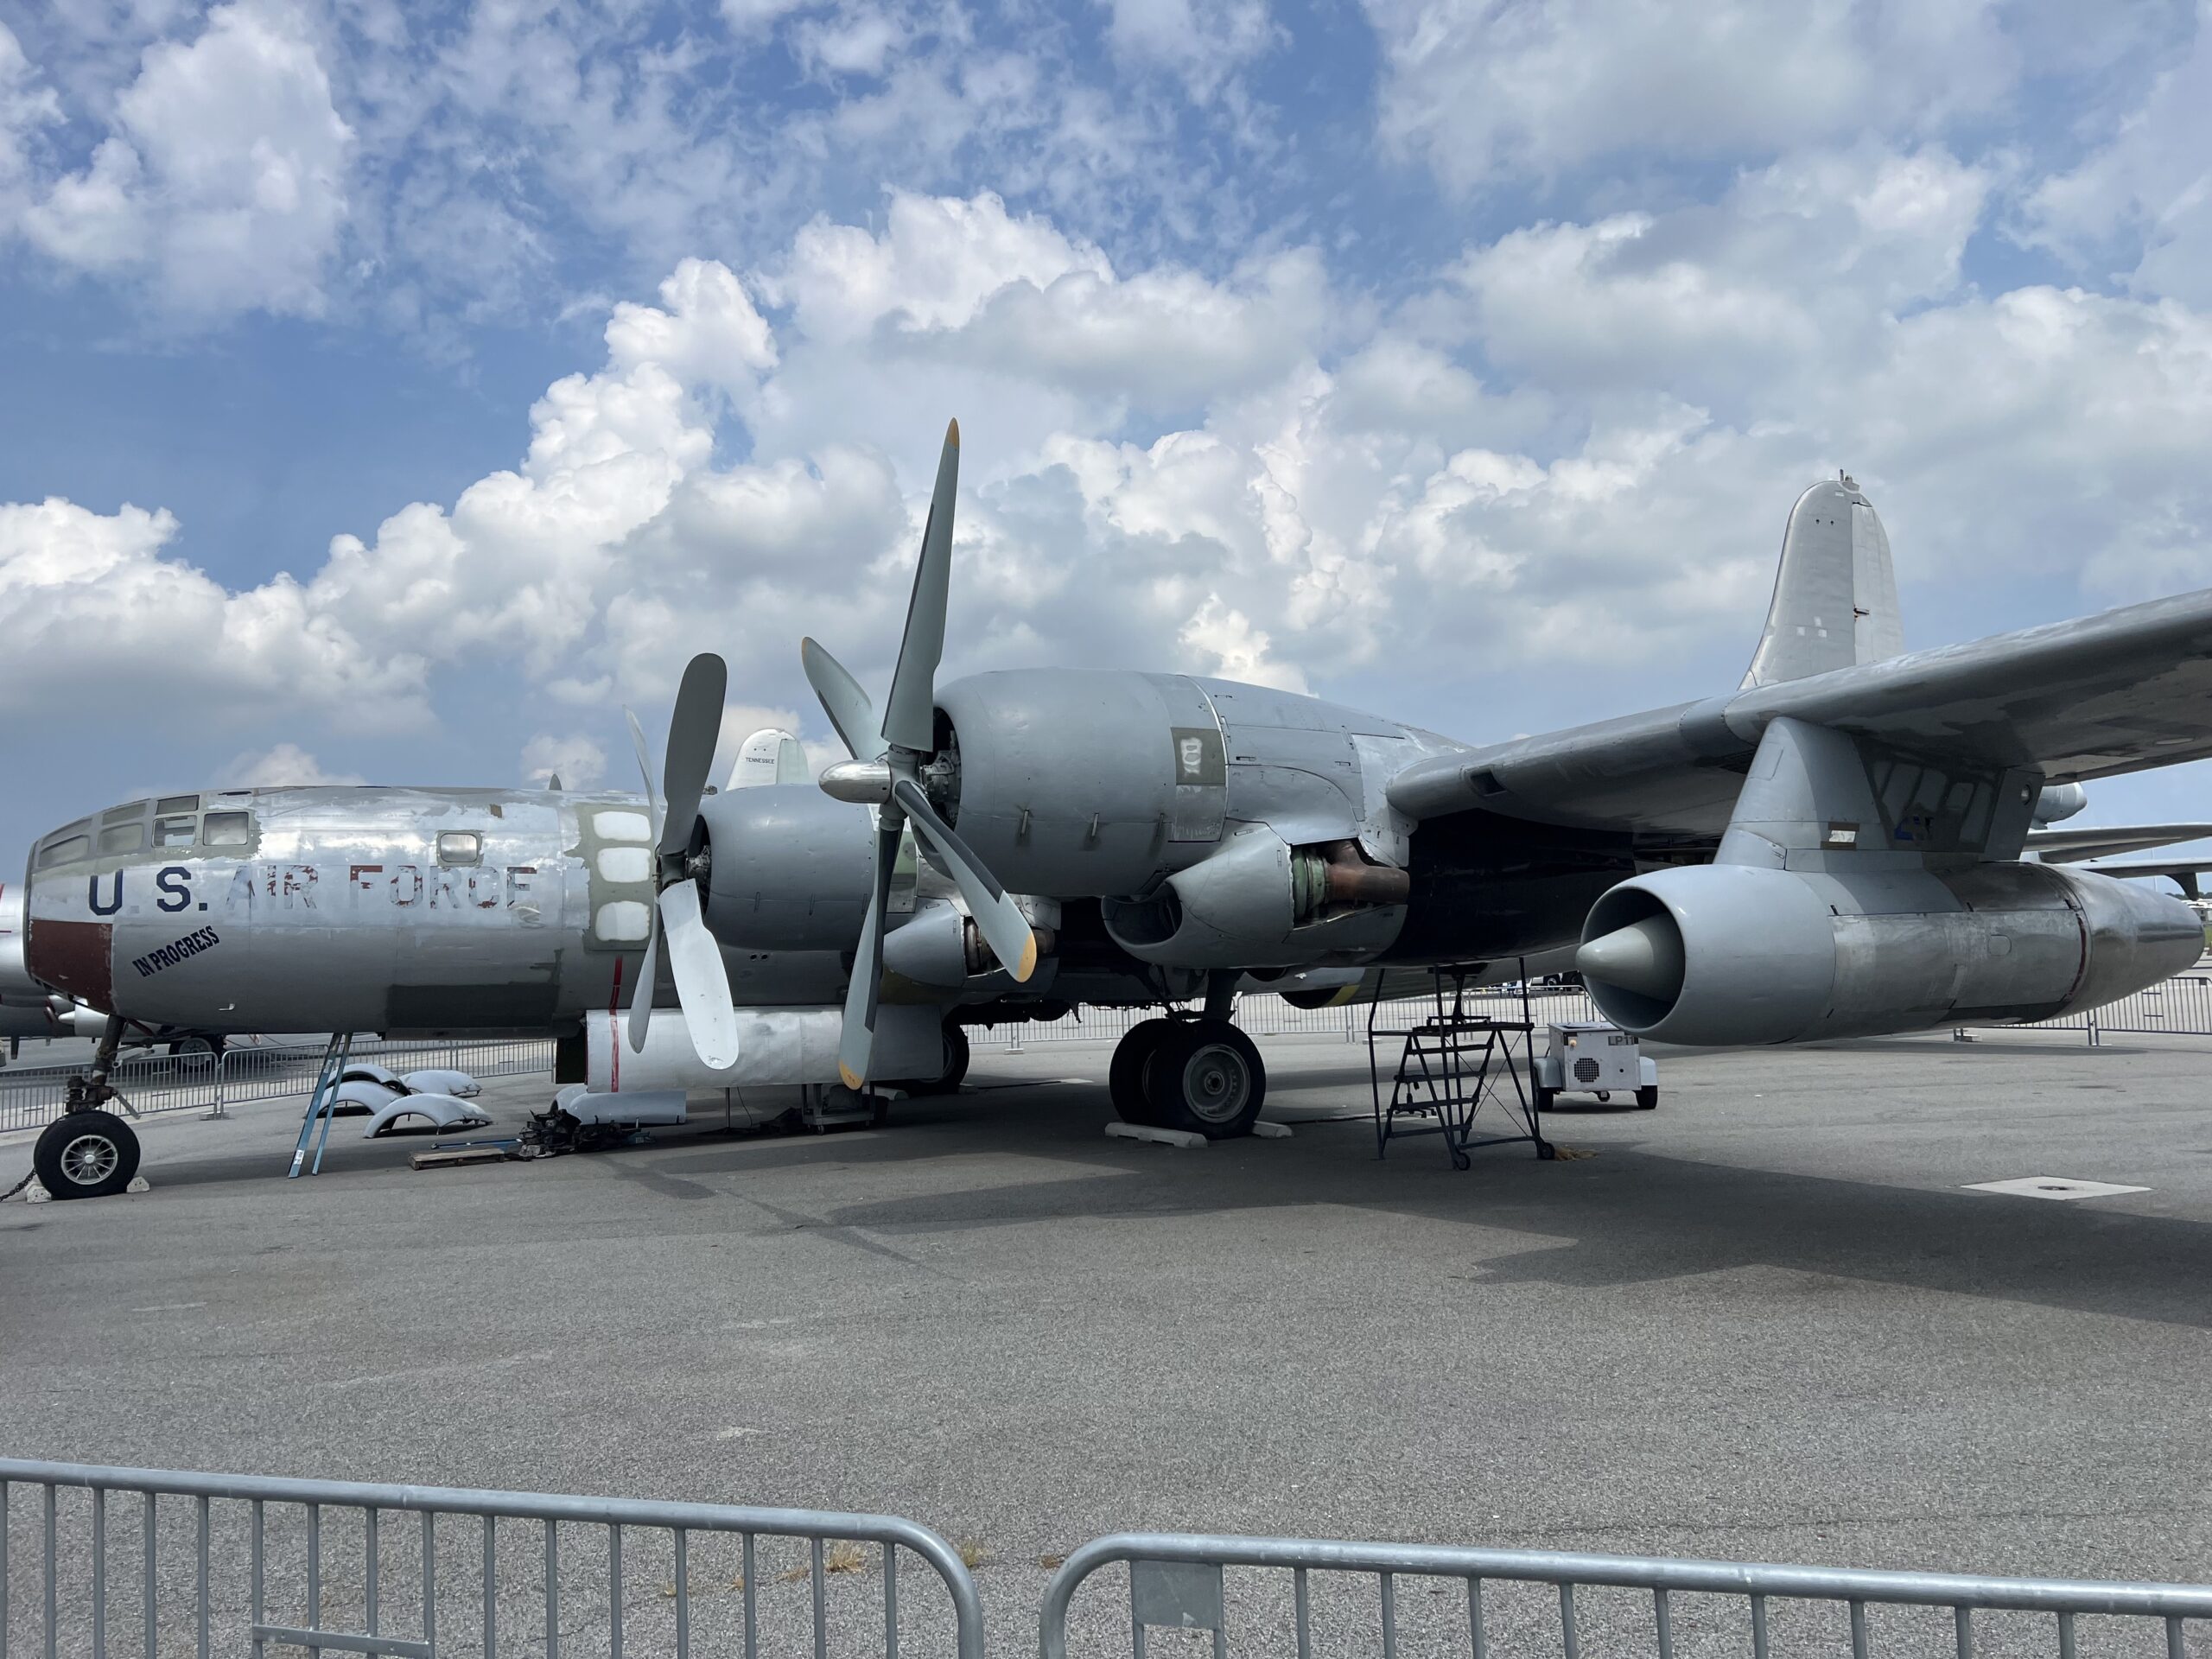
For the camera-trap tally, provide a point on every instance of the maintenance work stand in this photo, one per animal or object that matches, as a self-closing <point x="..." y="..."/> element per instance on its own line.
<point x="1448" y="1063"/>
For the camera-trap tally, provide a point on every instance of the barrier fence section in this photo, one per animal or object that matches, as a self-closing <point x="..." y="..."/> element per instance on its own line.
<point x="1176" y="1581"/>
<point x="31" y="1097"/>
<point x="244" y="1563"/>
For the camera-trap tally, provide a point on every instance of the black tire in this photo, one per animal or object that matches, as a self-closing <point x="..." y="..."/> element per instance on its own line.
<point x="1543" y="1099"/>
<point x="1646" y="1100"/>
<point x="947" y="1081"/>
<point x="1208" y="1079"/>
<point x="196" y="1043"/>
<point x="1125" y="1075"/>
<point x="85" y="1155"/>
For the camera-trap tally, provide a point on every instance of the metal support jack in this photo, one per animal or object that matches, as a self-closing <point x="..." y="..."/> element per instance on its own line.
<point x="320" y="1103"/>
<point x="1448" y="1064"/>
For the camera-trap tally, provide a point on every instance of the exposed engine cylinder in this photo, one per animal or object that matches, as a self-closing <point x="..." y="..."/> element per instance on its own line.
<point x="1258" y="902"/>
<point x="788" y="867"/>
<point x="1730" y="954"/>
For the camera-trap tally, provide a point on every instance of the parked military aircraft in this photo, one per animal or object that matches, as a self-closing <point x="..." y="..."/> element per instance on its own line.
<point x="1167" y="835"/>
<point x="1833" y="849"/>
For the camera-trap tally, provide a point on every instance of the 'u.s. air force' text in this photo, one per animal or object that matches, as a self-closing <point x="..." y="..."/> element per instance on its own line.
<point x="313" y="887"/>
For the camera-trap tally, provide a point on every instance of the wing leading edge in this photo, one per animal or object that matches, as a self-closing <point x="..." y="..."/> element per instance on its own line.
<point x="2117" y="692"/>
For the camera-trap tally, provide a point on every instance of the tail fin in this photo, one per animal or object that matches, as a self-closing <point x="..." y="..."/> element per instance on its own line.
<point x="1835" y="596"/>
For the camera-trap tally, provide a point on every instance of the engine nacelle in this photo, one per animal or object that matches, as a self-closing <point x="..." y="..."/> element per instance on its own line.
<point x="1071" y="784"/>
<point x="1259" y="902"/>
<point x="1729" y="954"/>
<point x="789" y="868"/>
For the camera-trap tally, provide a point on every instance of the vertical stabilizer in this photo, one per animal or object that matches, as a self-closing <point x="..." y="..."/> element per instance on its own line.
<point x="1835" y="596"/>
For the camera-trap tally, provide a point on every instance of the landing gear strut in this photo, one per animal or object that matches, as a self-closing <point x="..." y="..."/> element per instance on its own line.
<point x="1198" y="1074"/>
<point x="88" y="1152"/>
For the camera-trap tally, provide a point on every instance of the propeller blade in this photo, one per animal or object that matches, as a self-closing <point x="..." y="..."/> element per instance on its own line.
<point x="702" y="987"/>
<point x="910" y="712"/>
<point x="856" y="1041"/>
<point x="997" y="917"/>
<point x="694" y="728"/>
<point x="790" y="761"/>
<point x="644" y="770"/>
<point x="641" y="994"/>
<point x="848" y="706"/>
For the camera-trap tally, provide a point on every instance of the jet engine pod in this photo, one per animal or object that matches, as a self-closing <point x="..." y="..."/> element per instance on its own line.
<point x="1719" y="953"/>
<point x="788" y="867"/>
<point x="1258" y="902"/>
<point x="1731" y="954"/>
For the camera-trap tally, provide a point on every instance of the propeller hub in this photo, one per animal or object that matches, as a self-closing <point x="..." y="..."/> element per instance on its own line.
<point x="864" y="783"/>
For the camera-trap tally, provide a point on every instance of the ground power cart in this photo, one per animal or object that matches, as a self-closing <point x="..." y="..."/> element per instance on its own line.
<point x="1594" y="1059"/>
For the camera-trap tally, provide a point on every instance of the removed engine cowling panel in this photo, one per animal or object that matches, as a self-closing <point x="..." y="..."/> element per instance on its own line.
<point x="1732" y="955"/>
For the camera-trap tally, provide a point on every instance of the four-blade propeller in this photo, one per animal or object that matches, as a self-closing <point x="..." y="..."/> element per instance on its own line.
<point x="885" y="772"/>
<point x="695" y="958"/>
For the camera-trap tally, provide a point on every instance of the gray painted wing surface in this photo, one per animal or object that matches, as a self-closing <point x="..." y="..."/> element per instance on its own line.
<point x="2113" y="693"/>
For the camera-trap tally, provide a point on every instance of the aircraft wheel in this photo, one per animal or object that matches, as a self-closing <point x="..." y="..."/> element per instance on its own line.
<point x="211" y="1047"/>
<point x="955" y="1066"/>
<point x="1646" y="1100"/>
<point x="1207" y="1077"/>
<point x="85" y="1155"/>
<point x="1125" y="1076"/>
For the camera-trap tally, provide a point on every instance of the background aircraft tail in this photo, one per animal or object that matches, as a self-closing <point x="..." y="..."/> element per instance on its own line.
<point x="1835" y="596"/>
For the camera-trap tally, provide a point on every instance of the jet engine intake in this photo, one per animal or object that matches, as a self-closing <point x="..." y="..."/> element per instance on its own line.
<point x="1729" y="955"/>
<point x="1258" y="902"/>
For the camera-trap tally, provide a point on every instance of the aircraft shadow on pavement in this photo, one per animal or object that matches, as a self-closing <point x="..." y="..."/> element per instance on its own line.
<point x="1632" y="1215"/>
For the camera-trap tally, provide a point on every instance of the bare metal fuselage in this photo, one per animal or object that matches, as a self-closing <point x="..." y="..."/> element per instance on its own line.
<point x="354" y="909"/>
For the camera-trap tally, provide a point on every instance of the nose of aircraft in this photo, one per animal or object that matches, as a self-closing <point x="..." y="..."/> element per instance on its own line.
<point x="64" y="945"/>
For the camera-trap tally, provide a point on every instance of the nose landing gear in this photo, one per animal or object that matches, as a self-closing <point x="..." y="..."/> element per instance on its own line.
<point x="89" y="1151"/>
<point x="1199" y="1074"/>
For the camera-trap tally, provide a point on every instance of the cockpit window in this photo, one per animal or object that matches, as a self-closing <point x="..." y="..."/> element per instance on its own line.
<point x="123" y="814"/>
<point x="460" y="847"/>
<point x="226" y="829"/>
<point x="177" y="803"/>
<point x="61" y="850"/>
<point x="123" y="837"/>
<point x="175" y="832"/>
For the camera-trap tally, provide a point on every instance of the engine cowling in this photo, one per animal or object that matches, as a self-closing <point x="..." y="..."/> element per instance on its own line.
<point x="789" y="869"/>
<point x="1728" y="955"/>
<point x="1072" y="783"/>
<point x="1259" y="902"/>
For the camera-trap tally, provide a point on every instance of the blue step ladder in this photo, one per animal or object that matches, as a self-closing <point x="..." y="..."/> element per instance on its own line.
<point x="320" y="1105"/>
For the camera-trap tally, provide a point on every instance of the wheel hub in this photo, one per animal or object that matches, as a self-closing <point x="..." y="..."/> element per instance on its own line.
<point x="89" y="1159"/>
<point x="1216" y="1082"/>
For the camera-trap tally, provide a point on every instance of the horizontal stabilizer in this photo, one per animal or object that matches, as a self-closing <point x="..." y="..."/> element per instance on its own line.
<point x="2067" y="846"/>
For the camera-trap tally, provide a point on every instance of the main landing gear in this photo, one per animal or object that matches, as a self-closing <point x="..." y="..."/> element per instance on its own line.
<point x="1198" y="1074"/>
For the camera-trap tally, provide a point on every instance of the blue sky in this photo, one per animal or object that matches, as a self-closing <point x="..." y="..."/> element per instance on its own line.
<point x="395" y="391"/>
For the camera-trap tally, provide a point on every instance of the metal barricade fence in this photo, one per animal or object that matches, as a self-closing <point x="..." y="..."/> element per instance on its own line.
<point x="1176" y="1581"/>
<point x="272" y="1073"/>
<point x="152" y="1082"/>
<point x="169" y="1082"/>
<point x="250" y="1563"/>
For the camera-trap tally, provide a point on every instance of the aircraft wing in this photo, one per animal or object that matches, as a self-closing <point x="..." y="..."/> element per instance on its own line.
<point x="2113" y="693"/>
<point x="2065" y="846"/>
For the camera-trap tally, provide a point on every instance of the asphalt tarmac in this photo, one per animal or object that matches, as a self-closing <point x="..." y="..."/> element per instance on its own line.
<point x="1768" y="1321"/>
